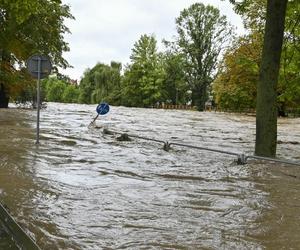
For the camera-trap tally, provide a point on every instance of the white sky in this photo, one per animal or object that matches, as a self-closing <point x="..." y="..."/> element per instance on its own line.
<point x="105" y="30"/>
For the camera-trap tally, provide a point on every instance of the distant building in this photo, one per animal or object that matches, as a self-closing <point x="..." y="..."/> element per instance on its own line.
<point x="73" y="82"/>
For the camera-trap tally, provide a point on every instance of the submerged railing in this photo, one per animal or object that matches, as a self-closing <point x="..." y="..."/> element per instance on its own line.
<point x="14" y="230"/>
<point x="241" y="158"/>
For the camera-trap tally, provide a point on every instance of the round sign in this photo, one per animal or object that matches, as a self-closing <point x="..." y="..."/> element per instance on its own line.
<point x="33" y="64"/>
<point x="102" y="108"/>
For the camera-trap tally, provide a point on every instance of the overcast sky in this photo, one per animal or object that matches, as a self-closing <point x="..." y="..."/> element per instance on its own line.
<point x="105" y="30"/>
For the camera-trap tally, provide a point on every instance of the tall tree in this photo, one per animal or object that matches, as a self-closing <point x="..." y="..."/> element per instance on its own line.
<point x="202" y="35"/>
<point x="27" y="27"/>
<point x="174" y="86"/>
<point x="144" y="76"/>
<point x="266" y="109"/>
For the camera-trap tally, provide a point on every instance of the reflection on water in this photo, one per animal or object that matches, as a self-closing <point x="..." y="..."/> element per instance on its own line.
<point x="81" y="189"/>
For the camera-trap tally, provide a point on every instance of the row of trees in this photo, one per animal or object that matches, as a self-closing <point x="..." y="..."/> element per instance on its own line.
<point x="179" y="75"/>
<point x="53" y="89"/>
<point x="182" y="73"/>
<point x="151" y="77"/>
<point x="185" y="71"/>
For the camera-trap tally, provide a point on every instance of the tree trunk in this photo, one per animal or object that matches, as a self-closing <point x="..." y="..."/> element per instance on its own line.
<point x="3" y="97"/>
<point x="199" y="96"/>
<point x="266" y="107"/>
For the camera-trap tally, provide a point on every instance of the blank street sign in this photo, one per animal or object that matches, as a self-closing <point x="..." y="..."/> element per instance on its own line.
<point x="32" y="66"/>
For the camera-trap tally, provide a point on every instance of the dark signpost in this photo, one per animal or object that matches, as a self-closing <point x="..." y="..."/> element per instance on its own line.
<point x="39" y="66"/>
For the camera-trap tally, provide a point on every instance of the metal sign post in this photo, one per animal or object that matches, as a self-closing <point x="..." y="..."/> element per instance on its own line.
<point x="38" y="88"/>
<point x="39" y="67"/>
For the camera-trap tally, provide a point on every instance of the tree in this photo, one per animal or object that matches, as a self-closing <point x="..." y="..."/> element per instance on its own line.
<point x="289" y="78"/>
<point x="27" y="96"/>
<point x="240" y="66"/>
<point x="254" y="15"/>
<point x="202" y="34"/>
<point x="55" y="90"/>
<point x="174" y="86"/>
<point x="35" y="26"/>
<point x="100" y="83"/>
<point x="235" y="85"/>
<point x="266" y="109"/>
<point x="143" y="78"/>
<point x="70" y="94"/>
<point x="107" y="83"/>
<point x="86" y="86"/>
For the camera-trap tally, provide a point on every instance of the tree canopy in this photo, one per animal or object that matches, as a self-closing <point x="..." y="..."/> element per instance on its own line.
<point x="143" y="77"/>
<point x="245" y="55"/>
<point x="202" y="34"/>
<point x="29" y="27"/>
<point x="101" y="83"/>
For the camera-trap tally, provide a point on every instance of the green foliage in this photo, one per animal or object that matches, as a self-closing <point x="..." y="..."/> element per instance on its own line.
<point x="289" y="79"/>
<point x="100" y="83"/>
<point x="143" y="78"/>
<point x="242" y="61"/>
<point x="202" y="34"/>
<point x="169" y="77"/>
<point x="29" y="27"/>
<point x="27" y="96"/>
<point x="70" y="94"/>
<point x="174" y="87"/>
<point x="20" y="9"/>
<point x="34" y="26"/>
<point x="235" y="86"/>
<point x="55" y="90"/>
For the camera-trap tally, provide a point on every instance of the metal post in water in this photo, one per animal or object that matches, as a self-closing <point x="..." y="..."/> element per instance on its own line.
<point x="242" y="159"/>
<point x="94" y="120"/>
<point x="39" y="67"/>
<point x="38" y="103"/>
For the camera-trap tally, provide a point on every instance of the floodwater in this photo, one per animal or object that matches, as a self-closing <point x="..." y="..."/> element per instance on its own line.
<point x="81" y="189"/>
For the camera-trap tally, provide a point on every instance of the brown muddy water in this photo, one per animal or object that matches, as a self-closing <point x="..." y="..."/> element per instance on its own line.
<point x="81" y="189"/>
